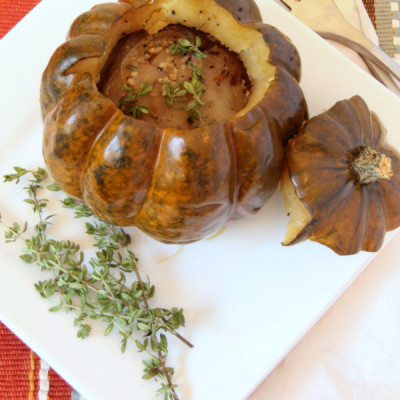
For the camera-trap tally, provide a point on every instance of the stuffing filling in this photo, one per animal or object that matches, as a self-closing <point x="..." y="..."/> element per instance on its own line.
<point x="178" y="78"/>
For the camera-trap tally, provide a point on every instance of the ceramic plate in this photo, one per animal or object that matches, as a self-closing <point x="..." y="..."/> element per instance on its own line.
<point x="247" y="299"/>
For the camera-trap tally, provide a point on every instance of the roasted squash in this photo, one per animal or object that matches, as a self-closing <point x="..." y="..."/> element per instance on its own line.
<point x="177" y="185"/>
<point x="341" y="185"/>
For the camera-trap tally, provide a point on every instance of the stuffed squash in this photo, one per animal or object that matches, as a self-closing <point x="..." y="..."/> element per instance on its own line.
<point x="170" y="115"/>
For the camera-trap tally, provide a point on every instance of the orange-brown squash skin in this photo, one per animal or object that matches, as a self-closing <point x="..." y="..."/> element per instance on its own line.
<point x="178" y="186"/>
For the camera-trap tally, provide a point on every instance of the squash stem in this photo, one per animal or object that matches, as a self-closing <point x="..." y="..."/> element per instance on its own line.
<point x="370" y="165"/>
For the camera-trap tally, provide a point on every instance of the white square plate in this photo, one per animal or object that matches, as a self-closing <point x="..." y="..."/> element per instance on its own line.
<point x="247" y="299"/>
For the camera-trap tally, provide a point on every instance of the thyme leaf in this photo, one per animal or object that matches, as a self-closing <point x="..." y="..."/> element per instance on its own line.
<point x="184" y="46"/>
<point x="174" y="94"/>
<point x="131" y="98"/>
<point x="97" y="289"/>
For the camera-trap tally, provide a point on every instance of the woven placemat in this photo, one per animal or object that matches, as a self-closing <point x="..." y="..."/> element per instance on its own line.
<point x="11" y="11"/>
<point x="370" y="7"/>
<point x="395" y="11"/>
<point x="387" y="24"/>
<point x="24" y="376"/>
<point x="385" y="15"/>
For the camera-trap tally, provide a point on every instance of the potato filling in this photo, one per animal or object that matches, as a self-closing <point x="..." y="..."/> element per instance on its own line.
<point x="178" y="78"/>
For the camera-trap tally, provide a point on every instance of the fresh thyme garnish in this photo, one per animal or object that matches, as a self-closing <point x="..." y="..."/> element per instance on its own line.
<point x="194" y="87"/>
<point x="184" y="46"/>
<point x="174" y="93"/>
<point x="99" y="289"/>
<point x="197" y="72"/>
<point x="129" y="101"/>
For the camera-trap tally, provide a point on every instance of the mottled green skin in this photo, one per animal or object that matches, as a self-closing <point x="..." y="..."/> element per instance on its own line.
<point x="346" y="216"/>
<point x="177" y="186"/>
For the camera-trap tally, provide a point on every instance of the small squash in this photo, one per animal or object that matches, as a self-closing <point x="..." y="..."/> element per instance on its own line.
<point x="341" y="186"/>
<point x="176" y="184"/>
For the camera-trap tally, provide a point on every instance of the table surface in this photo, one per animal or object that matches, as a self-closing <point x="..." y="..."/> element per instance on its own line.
<point x="327" y="360"/>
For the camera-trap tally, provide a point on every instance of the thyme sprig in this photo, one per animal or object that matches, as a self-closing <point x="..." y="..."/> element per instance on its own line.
<point x="177" y="94"/>
<point x="97" y="289"/>
<point x="130" y="100"/>
<point x="184" y="46"/>
<point x="174" y="93"/>
<point x="196" y="88"/>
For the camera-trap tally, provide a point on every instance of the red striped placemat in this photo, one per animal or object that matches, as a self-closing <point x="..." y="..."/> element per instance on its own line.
<point x="24" y="376"/>
<point x="11" y="11"/>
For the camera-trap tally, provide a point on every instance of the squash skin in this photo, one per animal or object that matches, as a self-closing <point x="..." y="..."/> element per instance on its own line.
<point x="56" y="81"/>
<point x="98" y="20"/>
<point x="243" y="11"/>
<point x="283" y="52"/>
<point x="177" y="186"/>
<point x="70" y="130"/>
<point x="285" y="104"/>
<point x="347" y="216"/>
